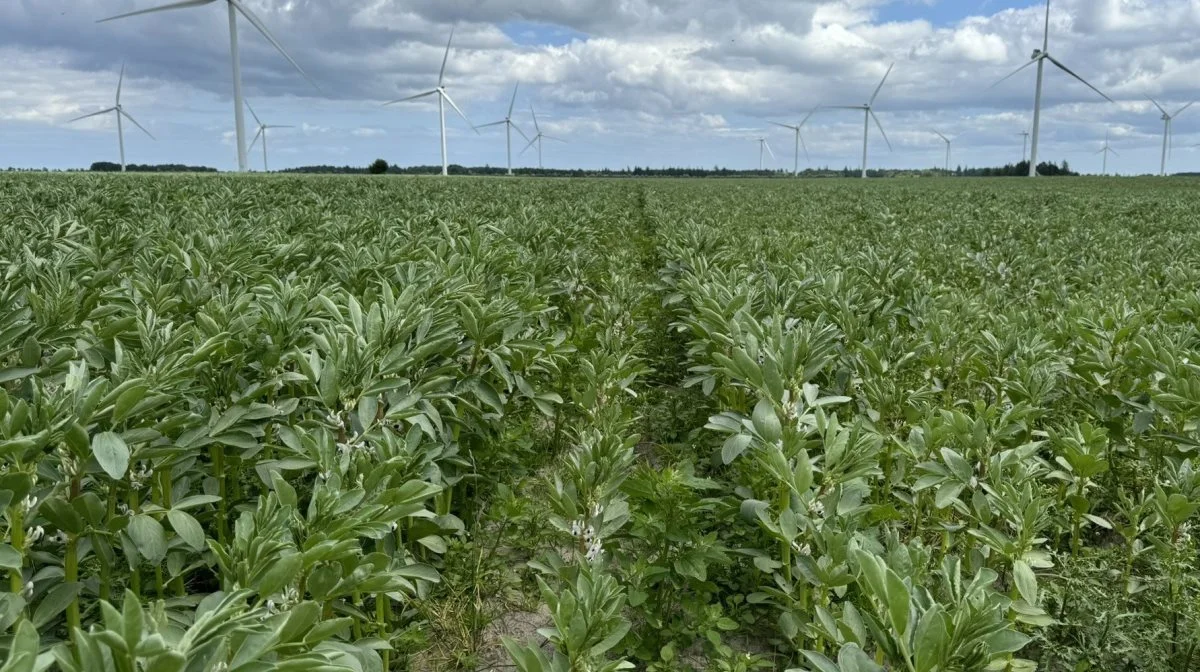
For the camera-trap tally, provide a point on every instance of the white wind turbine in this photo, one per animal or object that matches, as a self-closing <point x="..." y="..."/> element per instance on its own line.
<point x="799" y="141"/>
<point x="235" y="7"/>
<point x="947" y="141"/>
<point x="1168" y="121"/>
<point x="868" y="115"/>
<point x="1106" y="150"/>
<point x="509" y="125"/>
<point x="119" y="111"/>
<point x="537" y="139"/>
<point x="1024" y="145"/>
<point x="262" y="132"/>
<point x="443" y="98"/>
<point x="1040" y="56"/>
<point x="763" y="145"/>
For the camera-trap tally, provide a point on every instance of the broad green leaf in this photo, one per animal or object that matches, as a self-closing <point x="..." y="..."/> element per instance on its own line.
<point x="1026" y="581"/>
<point x="112" y="454"/>
<point x="149" y="538"/>
<point x="188" y="529"/>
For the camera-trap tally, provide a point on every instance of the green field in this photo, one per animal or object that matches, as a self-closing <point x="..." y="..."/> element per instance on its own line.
<point x="257" y="423"/>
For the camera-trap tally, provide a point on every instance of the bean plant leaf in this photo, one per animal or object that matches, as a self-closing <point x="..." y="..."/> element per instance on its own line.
<point x="149" y="538"/>
<point x="112" y="453"/>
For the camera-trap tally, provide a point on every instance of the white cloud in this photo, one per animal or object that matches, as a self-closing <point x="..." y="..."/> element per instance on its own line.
<point x="684" y="67"/>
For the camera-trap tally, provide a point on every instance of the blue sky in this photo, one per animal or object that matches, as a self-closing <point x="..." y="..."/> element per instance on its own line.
<point x="642" y="82"/>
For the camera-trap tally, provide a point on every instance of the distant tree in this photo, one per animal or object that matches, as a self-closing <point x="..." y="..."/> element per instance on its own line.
<point x="379" y="167"/>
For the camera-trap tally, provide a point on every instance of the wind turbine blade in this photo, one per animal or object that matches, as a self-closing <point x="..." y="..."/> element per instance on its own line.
<point x="1160" y="107"/>
<point x="880" y="87"/>
<point x="93" y="114"/>
<point x="255" y="140"/>
<point x="160" y="8"/>
<point x="845" y="107"/>
<point x="802" y="145"/>
<point x="534" y="115"/>
<point x="262" y="28"/>
<point x="767" y="145"/>
<point x="535" y="138"/>
<point x="1115" y="153"/>
<point x="1182" y="109"/>
<point x="947" y="140"/>
<point x="513" y="102"/>
<point x="787" y="126"/>
<point x="885" y="138"/>
<point x="277" y="126"/>
<point x="1012" y="74"/>
<point x="460" y="112"/>
<point x="494" y="123"/>
<point x="518" y="129"/>
<point x="1069" y="72"/>
<point x="549" y="137"/>
<point x="445" y="57"/>
<point x="135" y="123"/>
<point x="120" y="81"/>
<point x="809" y="115"/>
<point x="253" y="114"/>
<point x="412" y="97"/>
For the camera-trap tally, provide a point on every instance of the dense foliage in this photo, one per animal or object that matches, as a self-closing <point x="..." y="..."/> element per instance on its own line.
<point x="335" y="423"/>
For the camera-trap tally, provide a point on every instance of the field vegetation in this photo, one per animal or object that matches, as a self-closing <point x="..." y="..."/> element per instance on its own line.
<point x="339" y="423"/>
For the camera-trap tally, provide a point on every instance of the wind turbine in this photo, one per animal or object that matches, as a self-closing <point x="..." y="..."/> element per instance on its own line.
<point x="235" y="7"/>
<point x="119" y="111"/>
<point x="947" y="141"/>
<point x="868" y="115"/>
<point x="509" y="126"/>
<point x="262" y="132"/>
<point x="443" y="98"/>
<point x="1168" y="121"/>
<point x="1105" y="150"/>
<point x="799" y="141"/>
<point x="763" y="145"/>
<point x="1040" y="56"/>
<point x="1024" y="145"/>
<point x="538" y="138"/>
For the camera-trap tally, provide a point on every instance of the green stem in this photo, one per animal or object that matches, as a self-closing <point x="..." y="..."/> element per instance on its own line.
<point x="218" y="467"/>
<point x="382" y="627"/>
<point x="71" y="575"/>
<point x="16" y="528"/>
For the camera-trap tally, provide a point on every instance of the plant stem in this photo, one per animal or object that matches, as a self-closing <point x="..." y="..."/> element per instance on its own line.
<point x="16" y="528"/>
<point x="71" y="575"/>
<point x="218" y="466"/>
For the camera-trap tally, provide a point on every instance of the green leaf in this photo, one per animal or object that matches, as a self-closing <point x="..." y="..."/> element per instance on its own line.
<point x="328" y="384"/>
<point x="282" y="572"/>
<point x="9" y="557"/>
<point x="55" y="602"/>
<point x="898" y="603"/>
<point x="766" y="422"/>
<point x="112" y="454"/>
<point x="188" y="529"/>
<point x="127" y="401"/>
<point x="734" y="447"/>
<point x="1026" y="581"/>
<point x="853" y="659"/>
<point x="61" y="515"/>
<point x="931" y="637"/>
<point x="149" y="538"/>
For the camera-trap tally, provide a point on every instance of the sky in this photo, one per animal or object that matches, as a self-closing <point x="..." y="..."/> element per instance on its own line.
<point x="624" y="82"/>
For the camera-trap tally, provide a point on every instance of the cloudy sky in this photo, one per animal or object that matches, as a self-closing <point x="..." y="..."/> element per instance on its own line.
<point x="626" y="82"/>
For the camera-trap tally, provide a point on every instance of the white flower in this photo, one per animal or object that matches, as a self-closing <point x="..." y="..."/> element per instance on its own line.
<point x="29" y="503"/>
<point x="35" y="534"/>
<point x="576" y="528"/>
<point x="594" y="550"/>
<point x="817" y="509"/>
<point x="60" y="538"/>
<point x="27" y="591"/>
